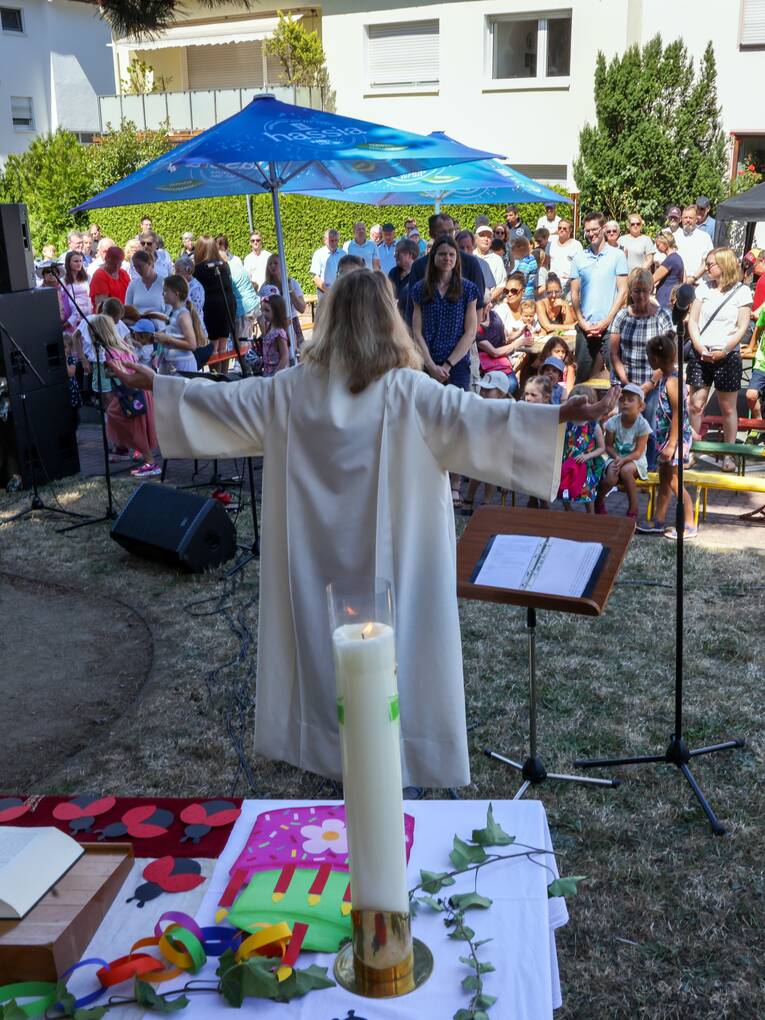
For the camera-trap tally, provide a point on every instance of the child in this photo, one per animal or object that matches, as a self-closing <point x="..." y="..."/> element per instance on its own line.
<point x="583" y="450"/>
<point x="626" y="441"/>
<point x="274" y="343"/>
<point x="554" y="369"/>
<point x="183" y="333"/>
<point x="556" y="347"/>
<point x="662" y="355"/>
<point x="525" y="263"/>
<point x="493" y="386"/>
<point x="529" y="317"/>
<point x="72" y="360"/>
<point x="538" y="390"/>
<point x="143" y="340"/>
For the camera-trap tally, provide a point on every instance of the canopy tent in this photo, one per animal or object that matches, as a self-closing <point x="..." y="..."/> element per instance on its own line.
<point x="486" y="182"/>
<point x="749" y="205"/>
<point x="272" y="147"/>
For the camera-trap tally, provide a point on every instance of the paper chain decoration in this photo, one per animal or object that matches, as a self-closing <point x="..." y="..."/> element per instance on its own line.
<point x="183" y="947"/>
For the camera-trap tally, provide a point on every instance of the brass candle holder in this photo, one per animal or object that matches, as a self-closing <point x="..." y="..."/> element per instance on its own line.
<point x="382" y="959"/>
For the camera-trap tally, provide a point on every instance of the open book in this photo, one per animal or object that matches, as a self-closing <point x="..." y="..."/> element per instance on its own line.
<point x="31" y="862"/>
<point x="547" y="566"/>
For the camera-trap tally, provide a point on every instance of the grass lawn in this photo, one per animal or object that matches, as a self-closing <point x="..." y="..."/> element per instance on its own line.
<point x="671" y="920"/>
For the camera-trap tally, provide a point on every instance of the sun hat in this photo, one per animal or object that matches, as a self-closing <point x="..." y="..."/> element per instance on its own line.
<point x="632" y="387"/>
<point x="495" y="381"/>
<point x="268" y="290"/>
<point x="145" y="326"/>
<point x="484" y="229"/>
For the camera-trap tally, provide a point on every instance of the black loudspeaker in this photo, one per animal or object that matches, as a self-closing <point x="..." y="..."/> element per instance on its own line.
<point x="32" y="318"/>
<point x="175" y="527"/>
<point x="49" y="445"/>
<point x="17" y="262"/>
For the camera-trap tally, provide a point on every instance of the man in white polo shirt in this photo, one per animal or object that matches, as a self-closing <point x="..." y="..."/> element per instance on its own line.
<point x="693" y="245"/>
<point x="598" y="291"/>
<point x="256" y="260"/>
<point x="361" y="246"/>
<point x="324" y="263"/>
<point x="386" y="249"/>
<point x="563" y="248"/>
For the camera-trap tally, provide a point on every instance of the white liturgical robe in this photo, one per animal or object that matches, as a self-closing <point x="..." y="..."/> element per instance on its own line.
<point x="358" y="485"/>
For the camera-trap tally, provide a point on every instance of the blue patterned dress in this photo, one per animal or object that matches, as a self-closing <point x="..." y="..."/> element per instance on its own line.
<point x="443" y="323"/>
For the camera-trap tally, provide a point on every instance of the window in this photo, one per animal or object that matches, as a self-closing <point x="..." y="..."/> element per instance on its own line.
<point x="21" y="113"/>
<point x="528" y="46"/>
<point x="752" y="23"/>
<point x="10" y="19"/>
<point x="402" y="55"/>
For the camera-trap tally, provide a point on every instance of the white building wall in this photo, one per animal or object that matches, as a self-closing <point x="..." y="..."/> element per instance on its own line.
<point x="531" y="124"/>
<point x="62" y="61"/>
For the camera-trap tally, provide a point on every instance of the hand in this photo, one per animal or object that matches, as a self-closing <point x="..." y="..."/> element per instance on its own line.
<point x="579" y="410"/>
<point x="666" y="456"/>
<point x="581" y="458"/>
<point x="438" y="372"/>
<point x="130" y="373"/>
<point x="717" y="355"/>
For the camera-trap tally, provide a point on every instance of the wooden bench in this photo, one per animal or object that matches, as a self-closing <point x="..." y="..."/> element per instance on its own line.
<point x="715" y="421"/>
<point x="741" y="452"/>
<point x="704" y="481"/>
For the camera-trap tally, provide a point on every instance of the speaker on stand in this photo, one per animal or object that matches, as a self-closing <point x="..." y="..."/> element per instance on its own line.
<point x="17" y="263"/>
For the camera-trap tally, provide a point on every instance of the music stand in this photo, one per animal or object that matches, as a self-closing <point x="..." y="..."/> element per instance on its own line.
<point x="614" y="533"/>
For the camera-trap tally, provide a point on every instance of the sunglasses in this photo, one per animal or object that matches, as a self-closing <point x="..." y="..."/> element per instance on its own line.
<point x="513" y="290"/>
<point x="553" y="293"/>
<point x="612" y="231"/>
<point x="254" y="239"/>
<point x="635" y="223"/>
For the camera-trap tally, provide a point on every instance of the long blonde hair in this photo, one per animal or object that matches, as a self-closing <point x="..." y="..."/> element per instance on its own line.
<point x="360" y="331"/>
<point x="176" y="283"/>
<point x="728" y="263"/>
<point x="106" y="333"/>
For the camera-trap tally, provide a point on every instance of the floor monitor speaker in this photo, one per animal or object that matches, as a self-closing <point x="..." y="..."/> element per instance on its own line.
<point x="187" y="531"/>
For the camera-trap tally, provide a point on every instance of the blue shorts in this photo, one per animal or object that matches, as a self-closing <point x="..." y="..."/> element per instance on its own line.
<point x="757" y="380"/>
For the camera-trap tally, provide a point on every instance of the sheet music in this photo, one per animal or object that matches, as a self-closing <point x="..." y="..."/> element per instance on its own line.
<point x="547" y="566"/>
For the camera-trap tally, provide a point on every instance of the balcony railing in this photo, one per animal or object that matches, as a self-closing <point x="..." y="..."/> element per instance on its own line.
<point x="193" y="110"/>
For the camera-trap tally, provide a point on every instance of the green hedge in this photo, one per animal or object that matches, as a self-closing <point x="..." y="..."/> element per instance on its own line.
<point x="304" y="221"/>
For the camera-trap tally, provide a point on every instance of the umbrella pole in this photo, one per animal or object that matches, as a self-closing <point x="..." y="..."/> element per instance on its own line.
<point x="248" y="200"/>
<point x="282" y="260"/>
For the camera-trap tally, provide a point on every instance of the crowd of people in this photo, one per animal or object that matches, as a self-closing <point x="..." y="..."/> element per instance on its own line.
<point x="500" y="309"/>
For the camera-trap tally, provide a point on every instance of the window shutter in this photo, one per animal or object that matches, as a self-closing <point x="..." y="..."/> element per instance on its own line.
<point x="753" y="23"/>
<point x="21" y="111"/>
<point x="403" y="54"/>
<point x="225" y="66"/>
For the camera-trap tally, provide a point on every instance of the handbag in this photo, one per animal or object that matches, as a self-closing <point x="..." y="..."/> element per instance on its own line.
<point x="132" y="402"/>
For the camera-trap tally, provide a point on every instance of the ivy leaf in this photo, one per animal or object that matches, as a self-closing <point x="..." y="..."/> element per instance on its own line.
<point x="64" y="999"/>
<point x="230" y="979"/>
<point x="461" y="934"/>
<point x="12" y="1011"/>
<point x="493" y="834"/>
<point x="146" y="995"/>
<point x="258" y="980"/>
<point x="564" y="886"/>
<point x="483" y="1001"/>
<point x="486" y="968"/>
<point x="464" y="1014"/>
<point x="483" y="968"/>
<point x="432" y="902"/>
<point x="94" y="1013"/>
<point x="482" y="942"/>
<point x="301" y="982"/>
<point x="434" y="881"/>
<point x="463" y="854"/>
<point x="471" y="982"/>
<point x="472" y="899"/>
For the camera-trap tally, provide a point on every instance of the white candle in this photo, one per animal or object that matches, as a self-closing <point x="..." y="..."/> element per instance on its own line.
<point x="370" y="731"/>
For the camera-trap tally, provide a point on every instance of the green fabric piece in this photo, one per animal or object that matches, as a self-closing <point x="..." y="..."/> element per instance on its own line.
<point x="326" y="925"/>
<point x="340" y="711"/>
<point x="394" y="710"/>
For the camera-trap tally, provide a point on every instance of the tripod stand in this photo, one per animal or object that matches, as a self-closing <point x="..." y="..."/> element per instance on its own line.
<point x="18" y="361"/>
<point x="678" y="752"/>
<point x="254" y="551"/>
<point x="109" y="514"/>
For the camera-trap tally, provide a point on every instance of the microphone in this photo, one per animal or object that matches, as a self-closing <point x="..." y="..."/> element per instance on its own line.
<point x="683" y="301"/>
<point x="216" y="262"/>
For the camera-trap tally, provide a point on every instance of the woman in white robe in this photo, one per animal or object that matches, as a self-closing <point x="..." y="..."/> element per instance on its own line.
<point x="357" y="446"/>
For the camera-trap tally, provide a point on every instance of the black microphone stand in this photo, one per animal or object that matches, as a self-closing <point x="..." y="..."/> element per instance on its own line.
<point x="18" y="359"/>
<point x="678" y="753"/>
<point x="110" y="513"/>
<point x="254" y="551"/>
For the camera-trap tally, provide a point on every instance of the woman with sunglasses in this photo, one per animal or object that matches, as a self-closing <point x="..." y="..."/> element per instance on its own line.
<point x="636" y="245"/>
<point x="612" y="232"/>
<point x="503" y="234"/>
<point x="509" y="310"/>
<point x="553" y="311"/>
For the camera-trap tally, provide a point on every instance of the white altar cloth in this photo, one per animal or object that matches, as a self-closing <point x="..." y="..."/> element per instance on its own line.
<point x="522" y="922"/>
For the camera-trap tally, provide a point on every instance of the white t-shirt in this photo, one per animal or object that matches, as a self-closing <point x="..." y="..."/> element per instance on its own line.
<point x="693" y="248"/>
<point x="551" y="225"/>
<point x="256" y="266"/>
<point x="507" y="315"/>
<point x="366" y="251"/>
<point x="146" y="299"/>
<point x="636" y="249"/>
<point x="723" y="326"/>
<point x="561" y="256"/>
<point x="324" y="265"/>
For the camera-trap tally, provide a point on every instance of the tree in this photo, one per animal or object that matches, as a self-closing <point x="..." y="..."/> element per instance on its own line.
<point x="657" y="137"/>
<point x="141" y="79"/>
<point x="144" y="17"/>
<point x="300" y="52"/>
<point x="50" y="177"/>
<point x="123" y="151"/>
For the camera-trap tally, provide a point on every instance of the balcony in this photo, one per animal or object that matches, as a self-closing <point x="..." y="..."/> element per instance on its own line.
<point x="192" y="111"/>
